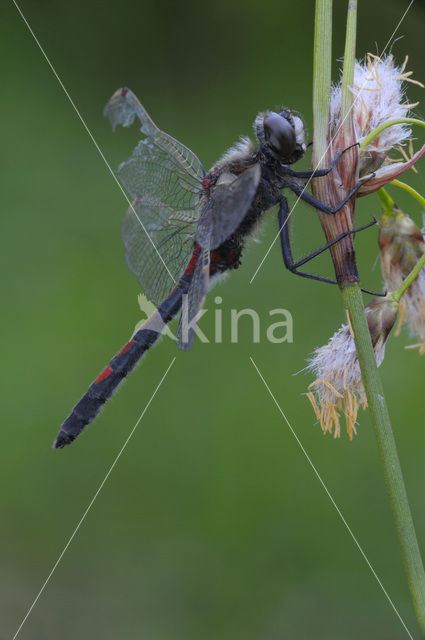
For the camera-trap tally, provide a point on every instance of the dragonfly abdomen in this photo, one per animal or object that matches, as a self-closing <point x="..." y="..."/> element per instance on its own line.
<point x="120" y="366"/>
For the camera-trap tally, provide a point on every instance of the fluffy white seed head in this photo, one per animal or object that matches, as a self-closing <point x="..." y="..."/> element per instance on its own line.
<point x="338" y="387"/>
<point x="379" y="96"/>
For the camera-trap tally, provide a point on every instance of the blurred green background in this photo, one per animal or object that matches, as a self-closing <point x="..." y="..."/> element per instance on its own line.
<point x="212" y="525"/>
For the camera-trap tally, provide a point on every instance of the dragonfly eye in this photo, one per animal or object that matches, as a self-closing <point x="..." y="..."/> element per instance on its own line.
<point x="280" y="134"/>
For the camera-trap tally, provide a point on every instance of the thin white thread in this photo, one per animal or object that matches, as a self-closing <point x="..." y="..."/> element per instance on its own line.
<point x="395" y="30"/>
<point x="319" y="477"/>
<point x="91" y="136"/>
<point x="91" y="504"/>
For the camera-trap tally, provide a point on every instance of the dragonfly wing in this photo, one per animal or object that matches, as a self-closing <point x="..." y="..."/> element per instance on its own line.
<point x="194" y="301"/>
<point x="124" y="107"/>
<point x="223" y="212"/>
<point x="163" y="177"/>
<point x="151" y="170"/>
<point x="158" y="253"/>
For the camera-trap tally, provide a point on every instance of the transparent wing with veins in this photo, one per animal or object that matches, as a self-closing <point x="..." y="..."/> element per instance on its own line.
<point x="172" y="233"/>
<point x="124" y="107"/>
<point x="164" y="179"/>
<point x="169" y="211"/>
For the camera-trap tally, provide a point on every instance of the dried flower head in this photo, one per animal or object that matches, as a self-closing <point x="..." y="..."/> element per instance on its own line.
<point x="402" y="244"/>
<point x="378" y="100"/>
<point x="338" y="386"/>
<point x="379" y="97"/>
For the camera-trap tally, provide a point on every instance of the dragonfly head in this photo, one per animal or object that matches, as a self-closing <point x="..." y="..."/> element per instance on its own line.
<point x="282" y="134"/>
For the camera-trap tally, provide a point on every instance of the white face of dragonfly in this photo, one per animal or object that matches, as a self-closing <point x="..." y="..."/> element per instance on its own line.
<point x="299" y="132"/>
<point x="282" y="133"/>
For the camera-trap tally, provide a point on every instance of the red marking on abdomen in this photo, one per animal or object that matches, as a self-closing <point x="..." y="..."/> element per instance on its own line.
<point x="125" y="348"/>
<point x="105" y="374"/>
<point x="192" y="262"/>
<point x="124" y="92"/>
<point x="223" y="261"/>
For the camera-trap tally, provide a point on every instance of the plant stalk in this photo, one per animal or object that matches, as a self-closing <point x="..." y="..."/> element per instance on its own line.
<point x="353" y="302"/>
<point x="399" y="293"/>
<point x="322" y="69"/>
<point x="393" y="475"/>
<point x="388" y="204"/>
<point x="409" y="189"/>
<point x="348" y="70"/>
<point x="389" y="123"/>
<point x="324" y="148"/>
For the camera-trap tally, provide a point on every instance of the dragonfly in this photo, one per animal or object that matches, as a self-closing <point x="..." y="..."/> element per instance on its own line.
<point x="187" y="226"/>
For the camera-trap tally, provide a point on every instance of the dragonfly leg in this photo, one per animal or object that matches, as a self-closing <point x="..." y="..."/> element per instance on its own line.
<point x="321" y="206"/>
<point x="283" y="217"/>
<point x="318" y="173"/>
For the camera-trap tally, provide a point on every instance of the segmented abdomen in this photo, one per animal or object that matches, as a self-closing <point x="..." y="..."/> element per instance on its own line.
<point x="121" y="365"/>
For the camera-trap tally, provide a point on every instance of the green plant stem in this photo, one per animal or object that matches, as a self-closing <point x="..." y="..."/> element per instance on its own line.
<point x="388" y="204"/>
<point x="387" y="124"/>
<point x="399" y="293"/>
<point x="349" y="62"/>
<point x="322" y="68"/>
<point x="353" y="302"/>
<point x="409" y="189"/>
